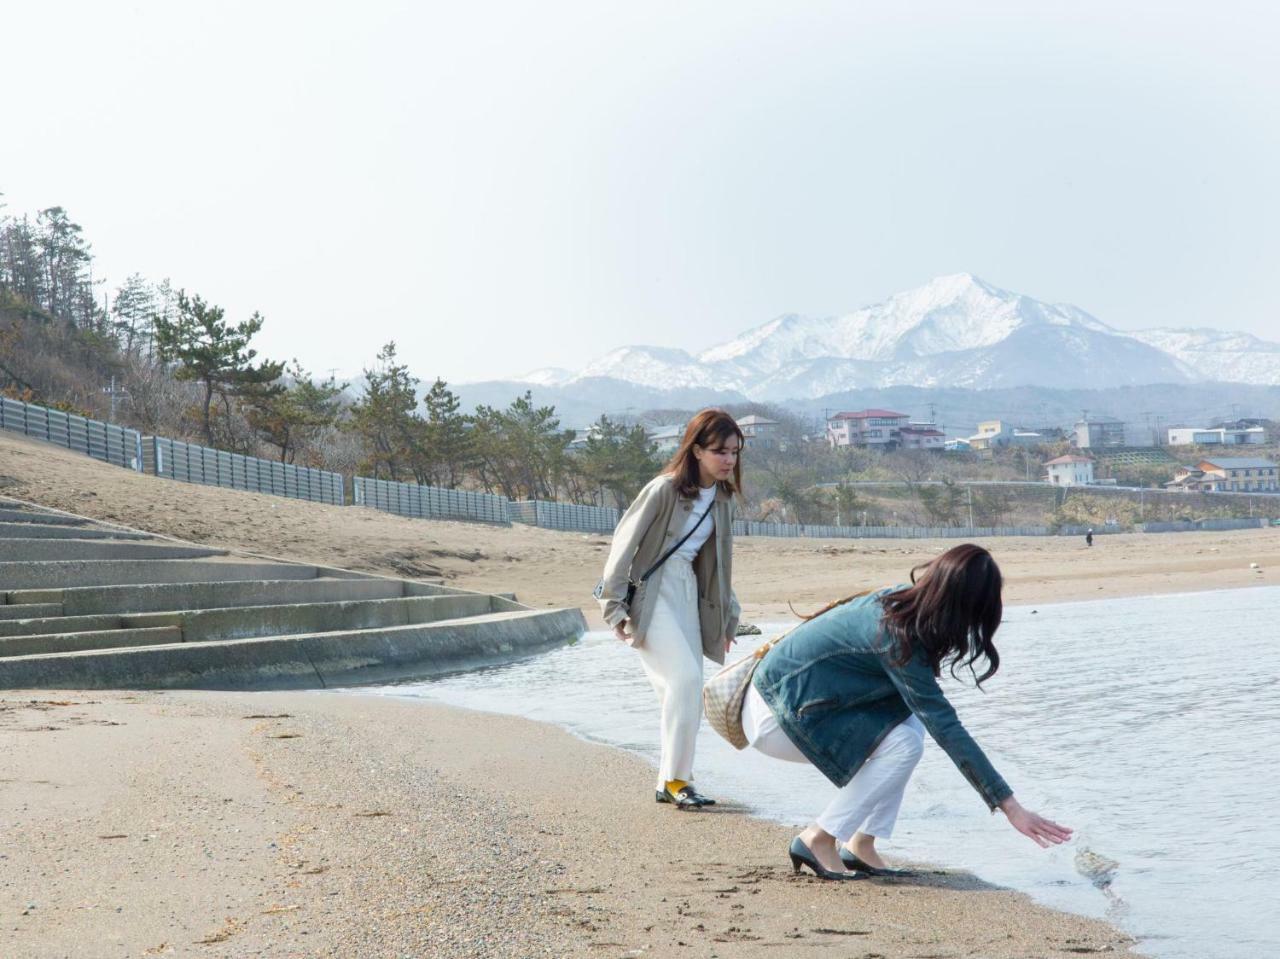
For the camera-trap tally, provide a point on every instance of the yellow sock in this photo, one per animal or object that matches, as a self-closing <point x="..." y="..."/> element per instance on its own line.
<point x="675" y="785"/>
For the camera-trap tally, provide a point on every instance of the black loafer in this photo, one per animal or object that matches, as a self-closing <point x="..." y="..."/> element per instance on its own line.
<point x="853" y="862"/>
<point x="686" y="798"/>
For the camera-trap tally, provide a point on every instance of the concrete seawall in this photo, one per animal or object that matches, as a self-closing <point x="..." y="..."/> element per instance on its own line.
<point x="85" y="606"/>
<point x="309" y="661"/>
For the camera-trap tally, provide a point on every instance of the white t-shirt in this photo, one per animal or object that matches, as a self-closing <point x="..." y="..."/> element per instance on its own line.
<point x="689" y="550"/>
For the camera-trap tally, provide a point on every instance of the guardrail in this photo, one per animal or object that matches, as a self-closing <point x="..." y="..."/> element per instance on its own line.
<point x="113" y="444"/>
<point x="190" y="463"/>
<point x="566" y="516"/>
<point x="430" y="502"/>
<point x="751" y="528"/>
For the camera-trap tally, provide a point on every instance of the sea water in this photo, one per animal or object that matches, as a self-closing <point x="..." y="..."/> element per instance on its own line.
<point x="1150" y="725"/>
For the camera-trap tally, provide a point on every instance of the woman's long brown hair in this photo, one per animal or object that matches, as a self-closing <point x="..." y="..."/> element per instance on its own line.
<point x="951" y="611"/>
<point x="709" y="429"/>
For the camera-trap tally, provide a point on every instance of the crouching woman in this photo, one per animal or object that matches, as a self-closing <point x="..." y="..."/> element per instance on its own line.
<point x="853" y="691"/>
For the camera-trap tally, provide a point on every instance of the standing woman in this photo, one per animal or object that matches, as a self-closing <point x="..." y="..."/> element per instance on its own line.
<point x="853" y="691"/>
<point x="675" y="543"/>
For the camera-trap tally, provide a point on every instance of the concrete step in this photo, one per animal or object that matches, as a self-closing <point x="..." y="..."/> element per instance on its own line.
<point x="13" y="550"/>
<point x="57" y="623"/>
<point x="51" y="531"/>
<point x="88" y="600"/>
<point x="46" y="643"/>
<point x="246" y="622"/>
<point x="56" y="574"/>
<point x="304" y="661"/>
<point x="241" y="622"/>
<point x="23" y="611"/>
<point x="34" y="516"/>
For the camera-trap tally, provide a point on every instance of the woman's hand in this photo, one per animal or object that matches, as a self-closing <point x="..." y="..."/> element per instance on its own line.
<point x="620" y="631"/>
<point x="1045" y="832"/>
<point x="728" y="643"/>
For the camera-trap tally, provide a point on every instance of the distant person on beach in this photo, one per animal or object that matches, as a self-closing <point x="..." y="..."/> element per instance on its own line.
<point x="854" y="688"/>
<point x="1088" y="537"/>
<point x="675" y="544"/>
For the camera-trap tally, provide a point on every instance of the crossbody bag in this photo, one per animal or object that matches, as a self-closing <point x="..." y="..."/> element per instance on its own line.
<point x="632" y="585"/>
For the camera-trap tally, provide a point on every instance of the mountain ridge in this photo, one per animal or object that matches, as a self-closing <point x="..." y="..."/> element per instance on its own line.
<point x="956" y="331"/>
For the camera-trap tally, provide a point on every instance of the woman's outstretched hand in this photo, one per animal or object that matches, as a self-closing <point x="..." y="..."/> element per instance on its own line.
<point x="620" y="631"/>
<point x="728" y="643"/>
<point x="1044" y="832"/>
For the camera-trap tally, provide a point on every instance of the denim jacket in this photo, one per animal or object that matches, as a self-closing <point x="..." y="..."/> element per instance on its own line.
<point x="836" y="693"/>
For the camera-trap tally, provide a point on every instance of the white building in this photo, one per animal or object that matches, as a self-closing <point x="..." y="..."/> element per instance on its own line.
<point x="666" y="439"/>
<point x="921" y="436"/>
<point x="1095" y="431"/>
<point x="1216" y="436"/>
<point x="1070" y="470"/>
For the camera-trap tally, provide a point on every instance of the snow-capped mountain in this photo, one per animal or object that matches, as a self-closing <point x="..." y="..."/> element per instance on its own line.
<point x="1219" y="355"/>
<point x="955" y="331"/>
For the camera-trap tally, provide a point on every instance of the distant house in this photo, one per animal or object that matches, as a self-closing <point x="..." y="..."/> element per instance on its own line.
<point x="666" y="439"/>
<point x="1216" y="436"/>
<point x="994" y="434"/>
<point x="1191" y="479"/>
<point x="1070" y="470"/>
<point x="957" y="445"/>
<point x="1099" y="432"/>
<point x="921" y="436"/>
<point x="580" y="437"/>
<point x="879" y="429"/>
<point x="1227" y="474"/>
<point x="759" y="432"/>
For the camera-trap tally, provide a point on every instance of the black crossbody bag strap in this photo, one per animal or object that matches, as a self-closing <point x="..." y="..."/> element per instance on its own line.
<point x="671" y="552"/>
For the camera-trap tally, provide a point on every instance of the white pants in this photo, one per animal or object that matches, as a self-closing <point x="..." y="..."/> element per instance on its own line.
<point x="869" y="803"/>
<point x="672" y="658"/>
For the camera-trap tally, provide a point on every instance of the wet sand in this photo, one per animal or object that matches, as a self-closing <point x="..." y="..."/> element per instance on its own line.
<point x="323" y="824"/>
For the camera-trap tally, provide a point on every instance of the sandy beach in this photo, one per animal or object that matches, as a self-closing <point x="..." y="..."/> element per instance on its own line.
<point x="322" y="824"/>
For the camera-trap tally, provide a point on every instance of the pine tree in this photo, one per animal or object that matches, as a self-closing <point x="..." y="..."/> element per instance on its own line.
<point x="290" y="419"/>
<point x="448" y="435"/>
<point x="210" y="351"/>
<point x="618" y="459"/>
<point x="385" y="417"/>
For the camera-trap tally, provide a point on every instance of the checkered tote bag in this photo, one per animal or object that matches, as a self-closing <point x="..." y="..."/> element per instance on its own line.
<point x="725" y="692"/>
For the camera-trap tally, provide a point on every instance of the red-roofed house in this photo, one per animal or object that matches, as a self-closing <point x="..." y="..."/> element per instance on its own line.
<point x="1070" y="470"/>
<point x="921" y="436"/>
<point x="876" y="428"/>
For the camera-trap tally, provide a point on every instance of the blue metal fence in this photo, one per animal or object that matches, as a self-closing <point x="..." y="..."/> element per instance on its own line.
<point x="103" y="441"/>
<point x="430" y="502"/>
<point x="566" y="516"/>
<point x="190" y="463"/>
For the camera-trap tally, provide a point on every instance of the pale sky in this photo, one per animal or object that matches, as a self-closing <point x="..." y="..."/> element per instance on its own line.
<point x="505" y="186"/>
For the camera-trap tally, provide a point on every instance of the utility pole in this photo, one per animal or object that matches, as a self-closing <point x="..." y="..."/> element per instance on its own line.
<point x="969" y="490"/>
<point x="112" y="392"/>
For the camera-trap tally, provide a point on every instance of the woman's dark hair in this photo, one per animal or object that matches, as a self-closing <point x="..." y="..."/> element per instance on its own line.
<point x="951" y="611"/>
<point x="710" y="429"/>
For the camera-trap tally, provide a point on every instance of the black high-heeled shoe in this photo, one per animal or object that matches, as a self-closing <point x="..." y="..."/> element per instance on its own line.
<point x="851" y="861"/>
<point x="802" y="855"/>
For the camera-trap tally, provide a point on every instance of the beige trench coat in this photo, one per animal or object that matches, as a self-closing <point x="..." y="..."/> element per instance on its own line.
<point x="651" y="525"/>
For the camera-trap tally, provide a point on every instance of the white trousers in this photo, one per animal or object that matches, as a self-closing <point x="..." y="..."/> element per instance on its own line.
<point x="672" y="658"/>
<point x="869" y="803"/>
